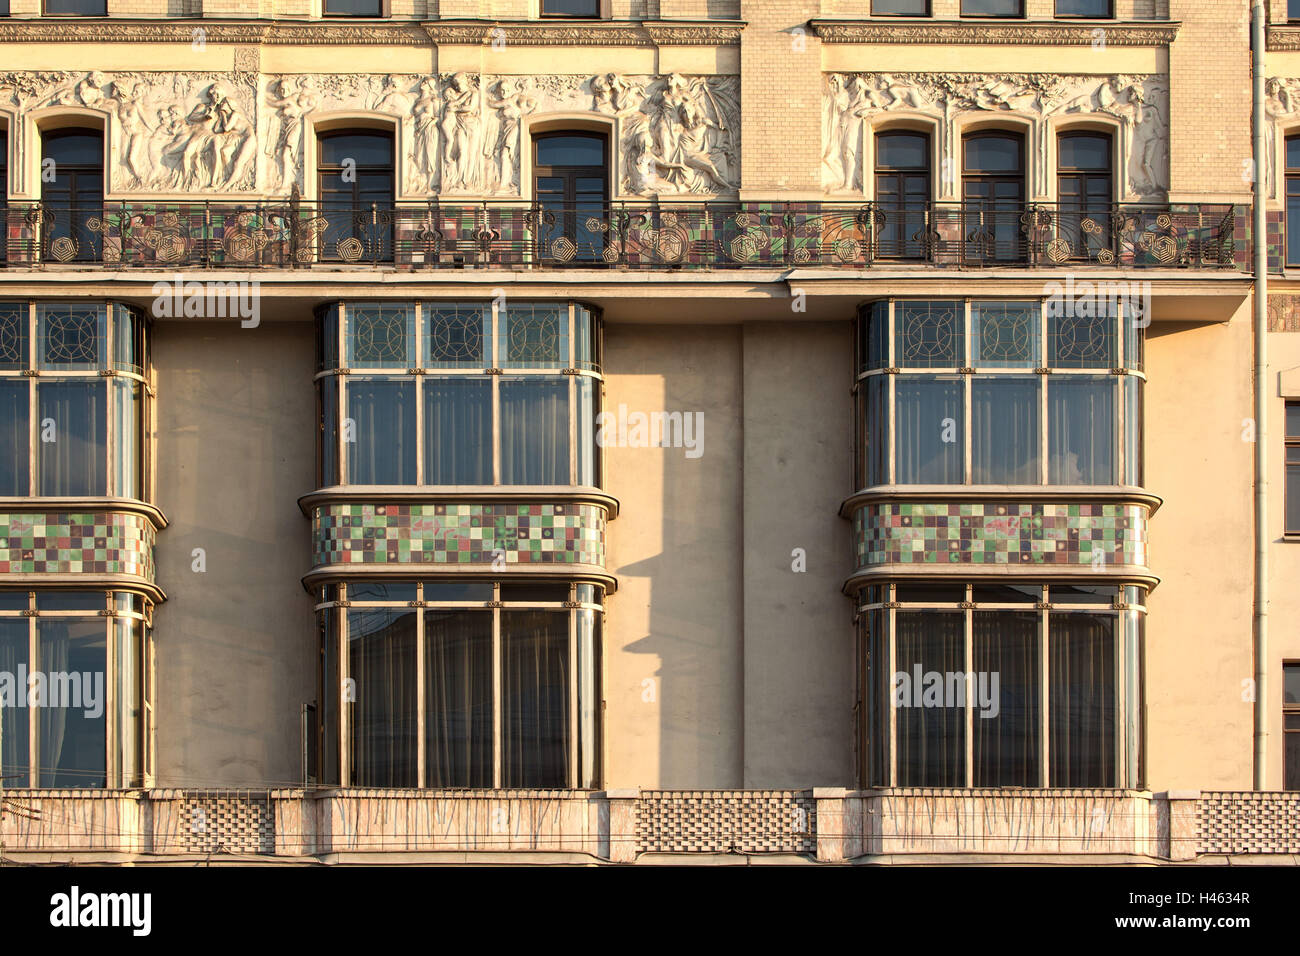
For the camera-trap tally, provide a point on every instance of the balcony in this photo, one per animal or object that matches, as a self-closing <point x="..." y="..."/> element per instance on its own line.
<point x="623" y="236"/>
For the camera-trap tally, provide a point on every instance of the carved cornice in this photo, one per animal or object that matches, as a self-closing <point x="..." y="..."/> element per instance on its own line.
<point x="1282" y="38"/>
<point x="1002" y="34"/>
<point x="590" y="33"/>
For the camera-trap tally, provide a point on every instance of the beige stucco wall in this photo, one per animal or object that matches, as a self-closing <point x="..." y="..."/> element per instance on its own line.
<point x="235" y="645"/>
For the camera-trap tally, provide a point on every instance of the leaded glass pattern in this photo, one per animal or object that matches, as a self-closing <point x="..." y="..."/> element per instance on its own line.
<point x="457" y="335"/>
<point x="534" y="336"/>
<point x="72" y="336"/>
<point x="928" y="334"/>
<point x="13" y="335"/>
<point x="1082" y="340"/>
<point x="1005" y="334"/>
<point x="380" y="335"/>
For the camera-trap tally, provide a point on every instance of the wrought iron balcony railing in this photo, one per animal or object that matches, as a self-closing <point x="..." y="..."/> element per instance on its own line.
<point x="624" y="235"/>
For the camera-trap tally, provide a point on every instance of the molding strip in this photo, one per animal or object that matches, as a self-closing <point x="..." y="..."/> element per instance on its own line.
<point x="1018" y="34"/>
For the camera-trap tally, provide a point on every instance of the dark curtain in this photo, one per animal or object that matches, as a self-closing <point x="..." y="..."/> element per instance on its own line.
<point x="928" y="409"/>
<point x="931" y="740"/>
<point x="1006" y="745"/>
<point x="14" y="748"/>
<point x="534" y="431"/>
<point x="1082" y="694"/>
<point x="457" y="431"/>
<point x="382" y="446"/>
<point x="381" y="661"/>
<point x="535" y="699"/>
<point x="458" y="698"/>
<point x="1081" y="430"/>
<point x="71" y="743"/>
<point x="14" y="438"/>
<point x="1004" y="426"/>
<point x="72" y="437"/>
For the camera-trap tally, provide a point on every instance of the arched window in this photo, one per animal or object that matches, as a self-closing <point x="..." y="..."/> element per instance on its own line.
<point x="355" y="177"/>
<point x="72" y="193"/>
<point x="993" y="195"/>
<point x="902" y="193"/>
<point x="1084" y="189"/>
<point x="571" y="184"/>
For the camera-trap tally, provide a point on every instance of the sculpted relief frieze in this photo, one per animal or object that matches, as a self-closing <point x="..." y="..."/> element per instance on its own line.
<point x="459" y="133"/>
<point x="1139" y="104"/>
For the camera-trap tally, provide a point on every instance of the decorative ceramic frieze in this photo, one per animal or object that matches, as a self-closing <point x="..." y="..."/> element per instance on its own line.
<point x="77" y="542"/>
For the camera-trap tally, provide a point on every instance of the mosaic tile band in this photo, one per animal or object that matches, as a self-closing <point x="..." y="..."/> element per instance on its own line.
<point x="67" y="542"/>
<point x="989" y="532"/>
<point x="528" y="534"/>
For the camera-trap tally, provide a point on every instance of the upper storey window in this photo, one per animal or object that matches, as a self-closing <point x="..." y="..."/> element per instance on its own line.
<point x="900" y="8"/>
<point x="570" y="183"/>
<point x="72" y="399"/>
<point x="1293" y="201"/>
<point x="459" y="393"/>
<point x="992" y="8"/>
<point x="76" y="8"/>
<point x="587" y="9"/>
<point x="355" y="177"/>
<point x="354" y="8"/>
<point x="72" y="194"/>
<point x="1084" y="188"/>
<point x="993" y="194"/>
<point x="4" y="179"/>
<point x="1088" y="9"/>
<point x="902" y="193"/>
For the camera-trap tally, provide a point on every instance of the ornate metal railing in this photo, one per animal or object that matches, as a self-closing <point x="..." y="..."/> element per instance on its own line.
<point x="623" y="235"/>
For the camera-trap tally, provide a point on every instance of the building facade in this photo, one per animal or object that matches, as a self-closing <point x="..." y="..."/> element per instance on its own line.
<point x="619" y="429"/>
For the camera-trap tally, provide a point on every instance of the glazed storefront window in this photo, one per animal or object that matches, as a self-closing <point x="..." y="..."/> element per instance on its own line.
<point x="1001" y="685"/>
<point x="998" y="392"/>
<point x="76" y="689"/>
<point x="450" y="684"/>
<point x="459" y="393"/>
<point x="73" y="400"/>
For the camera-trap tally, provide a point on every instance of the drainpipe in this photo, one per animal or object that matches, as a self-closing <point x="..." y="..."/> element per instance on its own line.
<point x="1261" y="404"/>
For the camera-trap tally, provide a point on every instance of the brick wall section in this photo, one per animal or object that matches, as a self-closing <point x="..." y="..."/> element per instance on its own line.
<point x="781" y="93"/>
<point x="1210" y="62"/>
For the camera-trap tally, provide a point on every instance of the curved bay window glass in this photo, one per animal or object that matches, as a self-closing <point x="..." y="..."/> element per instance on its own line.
<point x="72" y="399"/>
<point x="570" y="182"/>
<point x="355" y="176"/>
<point x="902" y="193"/>
<point x="459" y="394"/>
<point x="72" y="201"/>
<point x="76" y="669"/>
<point x="993" y="195"/>
<point x="460" y="684"/>
<point x="1014" y="684"/>
<point x="1084" y="192"/>
<point x="1000" y="392"/>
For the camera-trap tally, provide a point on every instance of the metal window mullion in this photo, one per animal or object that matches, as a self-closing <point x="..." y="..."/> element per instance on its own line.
<point x="420" y="729"/>
<point x="968" y="438"/>
<point x="33" y="713"/>
<point x="1118" y="433"/>
<point x="891" y="430"/>
<point x="1119" y="645"/>
<point x="891" y="779"/>
<point x="573" y="429"/>
<point x="1044" y="677"/>
<point x="1044" y="467"/>
<point x="417" y="362"/>
<point x="112" y="705"/>
<point x="968" y="653"/>
<point x="496" y="392"/>
<point x="574" y="773"/>
<point x="344" y="743"/>
<point x="33" y="438"/>
<point x="496" y="691"/>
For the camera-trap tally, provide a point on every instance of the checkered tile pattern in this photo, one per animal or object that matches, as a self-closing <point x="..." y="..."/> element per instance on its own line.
<point x="459" y="534"/>
<point x="1248" y="822"/>
<point x="1000" y="533"/>
<point x="66" y="542"/>
<point x="227" y="823"/>
<point x="722" y="821"/>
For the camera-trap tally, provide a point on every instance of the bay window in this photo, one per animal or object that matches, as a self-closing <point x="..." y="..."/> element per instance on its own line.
<point x="999" y="392"/>
<point x="460" y="684"/>
<point x="76" y="689"/>
<point x="1014" y="684"/>
<point x="458" y="394"/>
<point x="73" y="400"/>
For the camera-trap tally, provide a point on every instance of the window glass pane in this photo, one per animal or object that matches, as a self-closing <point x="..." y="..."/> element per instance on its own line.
<point x="328" y="438"/>
<point x="928" y="430"/>
<point x="1004" y="427"/>
<point x="458" y="431"/>
<point x="15" y="437"/>
<point x="874" y="337"/>
<point x="1006" y="698"/>
<point x="327" y="338"/>
<point x="1103" y="594"/>
<point x="873" y="414"/>
<point x="1293" y="144"/>
<point x="913" y="592"/>
<point x="1081" y="671"/>
<point x="1082" y="340"/>
<point x="992" y="154"/>
<point x="931" y="724"/>
<point x="354" y="8"/>
<point x="1134" y="432"/>
<point x="128" y="693"/>
<point x="534" y="337"/>
<point x="466" y="591"/>
<point x="380" y="335"/>
<point x="1006" y="593"/>
<point x="912" y="8"/>
<point x="1005" y="334"/>
<point x="129" y="425"/>
<point x="72" y="450"/>
<point x="13" y="330"/>
<point x="364" y="149"/>
<point x="1292" y="768"/>
<point x="877" y="699"/>
<point x="1293" y="419"/>
<point x="1292" y="498"/>
<point x="1081" y="430"/>
<point x="71" y="336"/>
<point x="71" y="722"/>
<point x="928" y="334"/>
<point x="585" y="339"/>
<point x="128" y="339"/>
<point x="1077" y="151"/>
<point x="588" y="396"/>
<point x="14" y="740"/>
<point x="991" y="8"/>
<point x="589" y="698"/>
<point x="71" y="601"/>
<point x="331" y="689"/>
<point x="457" y="335"/>
<point x="571" y="150"/>
<point x="389" y="591"/>
<point x="535" y="699"/>
<point x="380" y="431"/>
<point x="536" y="592"/>
<point x="13" y="601"/>
<point x="458" y="699"/>
<point x="1291" y="684"/>
<point x="534" y="431"/>
<point x="381" y="662"/>
<point x="902" y="151"/>
<point x="72" y="149"/>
